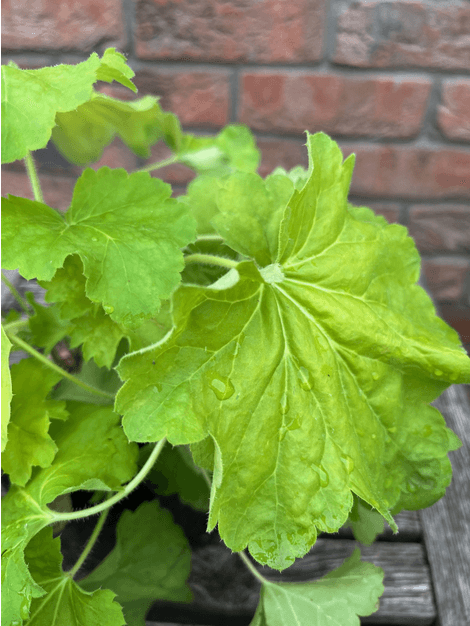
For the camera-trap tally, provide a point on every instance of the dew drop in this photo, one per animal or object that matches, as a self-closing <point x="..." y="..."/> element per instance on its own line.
<point x="348" y="463"/>
<point x="305" y="379"/>
<point x="374" y="436"/>
<point x="94" y="239"/>
<point x="392" y="429"/>
<point x="108" y="309"/>
<point x="282" y="433"/>
<point x="295" y="424"/>
<point x="324" y="478"/>
<point x="438" y="372"/>
<point x="284" y="404"/>
<point x="411" y="486"/>
<point x="375" y="376"/>
<point x="222" y="387"/>
<point x="15" y="622"/>
<point x="24" y="609"/>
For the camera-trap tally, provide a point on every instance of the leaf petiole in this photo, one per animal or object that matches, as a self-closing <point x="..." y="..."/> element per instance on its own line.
<point x="210" y="259"/>
<point x="16" y="294"/>
<point x="157" y="166"/>
<point x="33" y="177"/>
<point x="40" y="357"/>
<point x="138" y="478"/>
<point x="91" y="542"/>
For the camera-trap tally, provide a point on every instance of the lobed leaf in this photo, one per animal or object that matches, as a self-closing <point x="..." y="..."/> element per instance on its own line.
<point x="126" y="229"/>
<point x="65" y="602"/>
<point x="337" y="599"/>
<point x="151" y="560"/>
<point x="32" y="98"/>
<point x="297" y="405"/>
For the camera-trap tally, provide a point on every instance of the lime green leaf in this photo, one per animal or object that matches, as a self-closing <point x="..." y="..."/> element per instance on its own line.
<point x="65" y="603"/>
<point x="29" y="442"/>
<point x="151" y="560"/>
<point x="232" y="149"/>
<point x="298" y="175"/>
<point x="366" y="523"/>
<point x="113" y="67"/>
<point x="201" y="197"/>
<point x="294" y="393"/>
<point x="175" y="472"/>
<point x="82" y="134"/>
<point x="6" y="387"/>
<point x="31" y="98"/>
<point x="126" y="229"/>
<point x="81" y="462"/>
<point x="337" y="599"/>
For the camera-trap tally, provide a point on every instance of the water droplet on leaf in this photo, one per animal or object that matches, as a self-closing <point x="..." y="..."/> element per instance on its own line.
<point x="324" y="478"/>
<point x="94" y="239"/>
<point x="24" y="609"/>
<point x="284" y="404"/>
<point x="375" y="376"/>
<point x="108" y="309"/>
<point x="222" y="387"/>
<point x="295" y="424"/>
<point x="348" y="463"/>
<point x="438" y="372"/>
<point x="305" y="379"/>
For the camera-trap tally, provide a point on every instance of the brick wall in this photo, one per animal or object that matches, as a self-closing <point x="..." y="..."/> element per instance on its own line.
<point x="389" y="81"/>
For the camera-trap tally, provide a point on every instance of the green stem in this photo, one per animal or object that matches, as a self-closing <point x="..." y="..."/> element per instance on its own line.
<point x="209" y="238"/>
<point x="157" y="166"/>
<point x="89" y="546"/>
<point x="15" y="293"/>
<point x="33" y="177"/>
<point x="210" y="259"/>
<point x="12" y="327"/>
<point x="138" y="478"/>
<point x="252" y="568"/>
<point x="40" y="357"/>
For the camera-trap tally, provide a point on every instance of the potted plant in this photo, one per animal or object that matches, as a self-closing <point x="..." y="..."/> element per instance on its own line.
<point x="259" y="343"/>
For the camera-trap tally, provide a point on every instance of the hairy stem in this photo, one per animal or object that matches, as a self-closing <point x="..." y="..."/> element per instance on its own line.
<point x="210" y="259"/>
<point x="89" y="546"/>
<point x="15" y="293"/>
<point x="138" y="478"/>
<point x="252" y="568"/>
<point x="40" y="357"/>
<point x="157" y="166"/>
<point x="12" y="327"/>
<point x="33" y="177"/>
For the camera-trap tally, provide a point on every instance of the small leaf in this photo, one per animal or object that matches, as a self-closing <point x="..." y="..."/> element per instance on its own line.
<point x="6" y="387"/>
<point x="366" y="523"/>
<point x="151" y="559"/>
<point x="65" y="603"/>
<point x="337" y="599"/>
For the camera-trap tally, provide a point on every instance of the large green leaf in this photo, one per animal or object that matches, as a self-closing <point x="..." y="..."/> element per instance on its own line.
<point x="32" y="98"/>
<point x="334" y="600"/>
<point x="309" y="377"/>
<point x="65" y="603"/>
<point x="93" y="453"/>
<point x="151" y="560"/>
<point x="126" y="229"/>
<point x="6" y="387"/>
<point x="29" y="442"/>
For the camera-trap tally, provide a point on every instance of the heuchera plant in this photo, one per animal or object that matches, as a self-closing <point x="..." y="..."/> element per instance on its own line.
<point x="263" y="336"/>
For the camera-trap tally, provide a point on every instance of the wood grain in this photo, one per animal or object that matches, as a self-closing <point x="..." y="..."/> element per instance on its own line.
<point x="446" y="525"/>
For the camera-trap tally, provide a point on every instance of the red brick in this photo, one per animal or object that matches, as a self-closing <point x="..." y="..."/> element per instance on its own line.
<point x="266" y="31"/>
<point x="440" y="228"/>
<point x="446" y="277"/>
<point x="198" y="98"/>
<point x="57" y="191"/>
<point x="286" y="153"/>
<point x="454" y="112"/>
<point x="68" y="25"/>
<point x="294" y="101"/>
<point x="407" y="172"/>
<point x="404" y="34"/>
<point x="117" y="154"/>
<point x="389" y="210"/>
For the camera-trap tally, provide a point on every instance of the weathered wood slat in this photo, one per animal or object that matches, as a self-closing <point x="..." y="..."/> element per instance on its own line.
<point x="446" y="525"/>
<point x="407" y="600"/>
